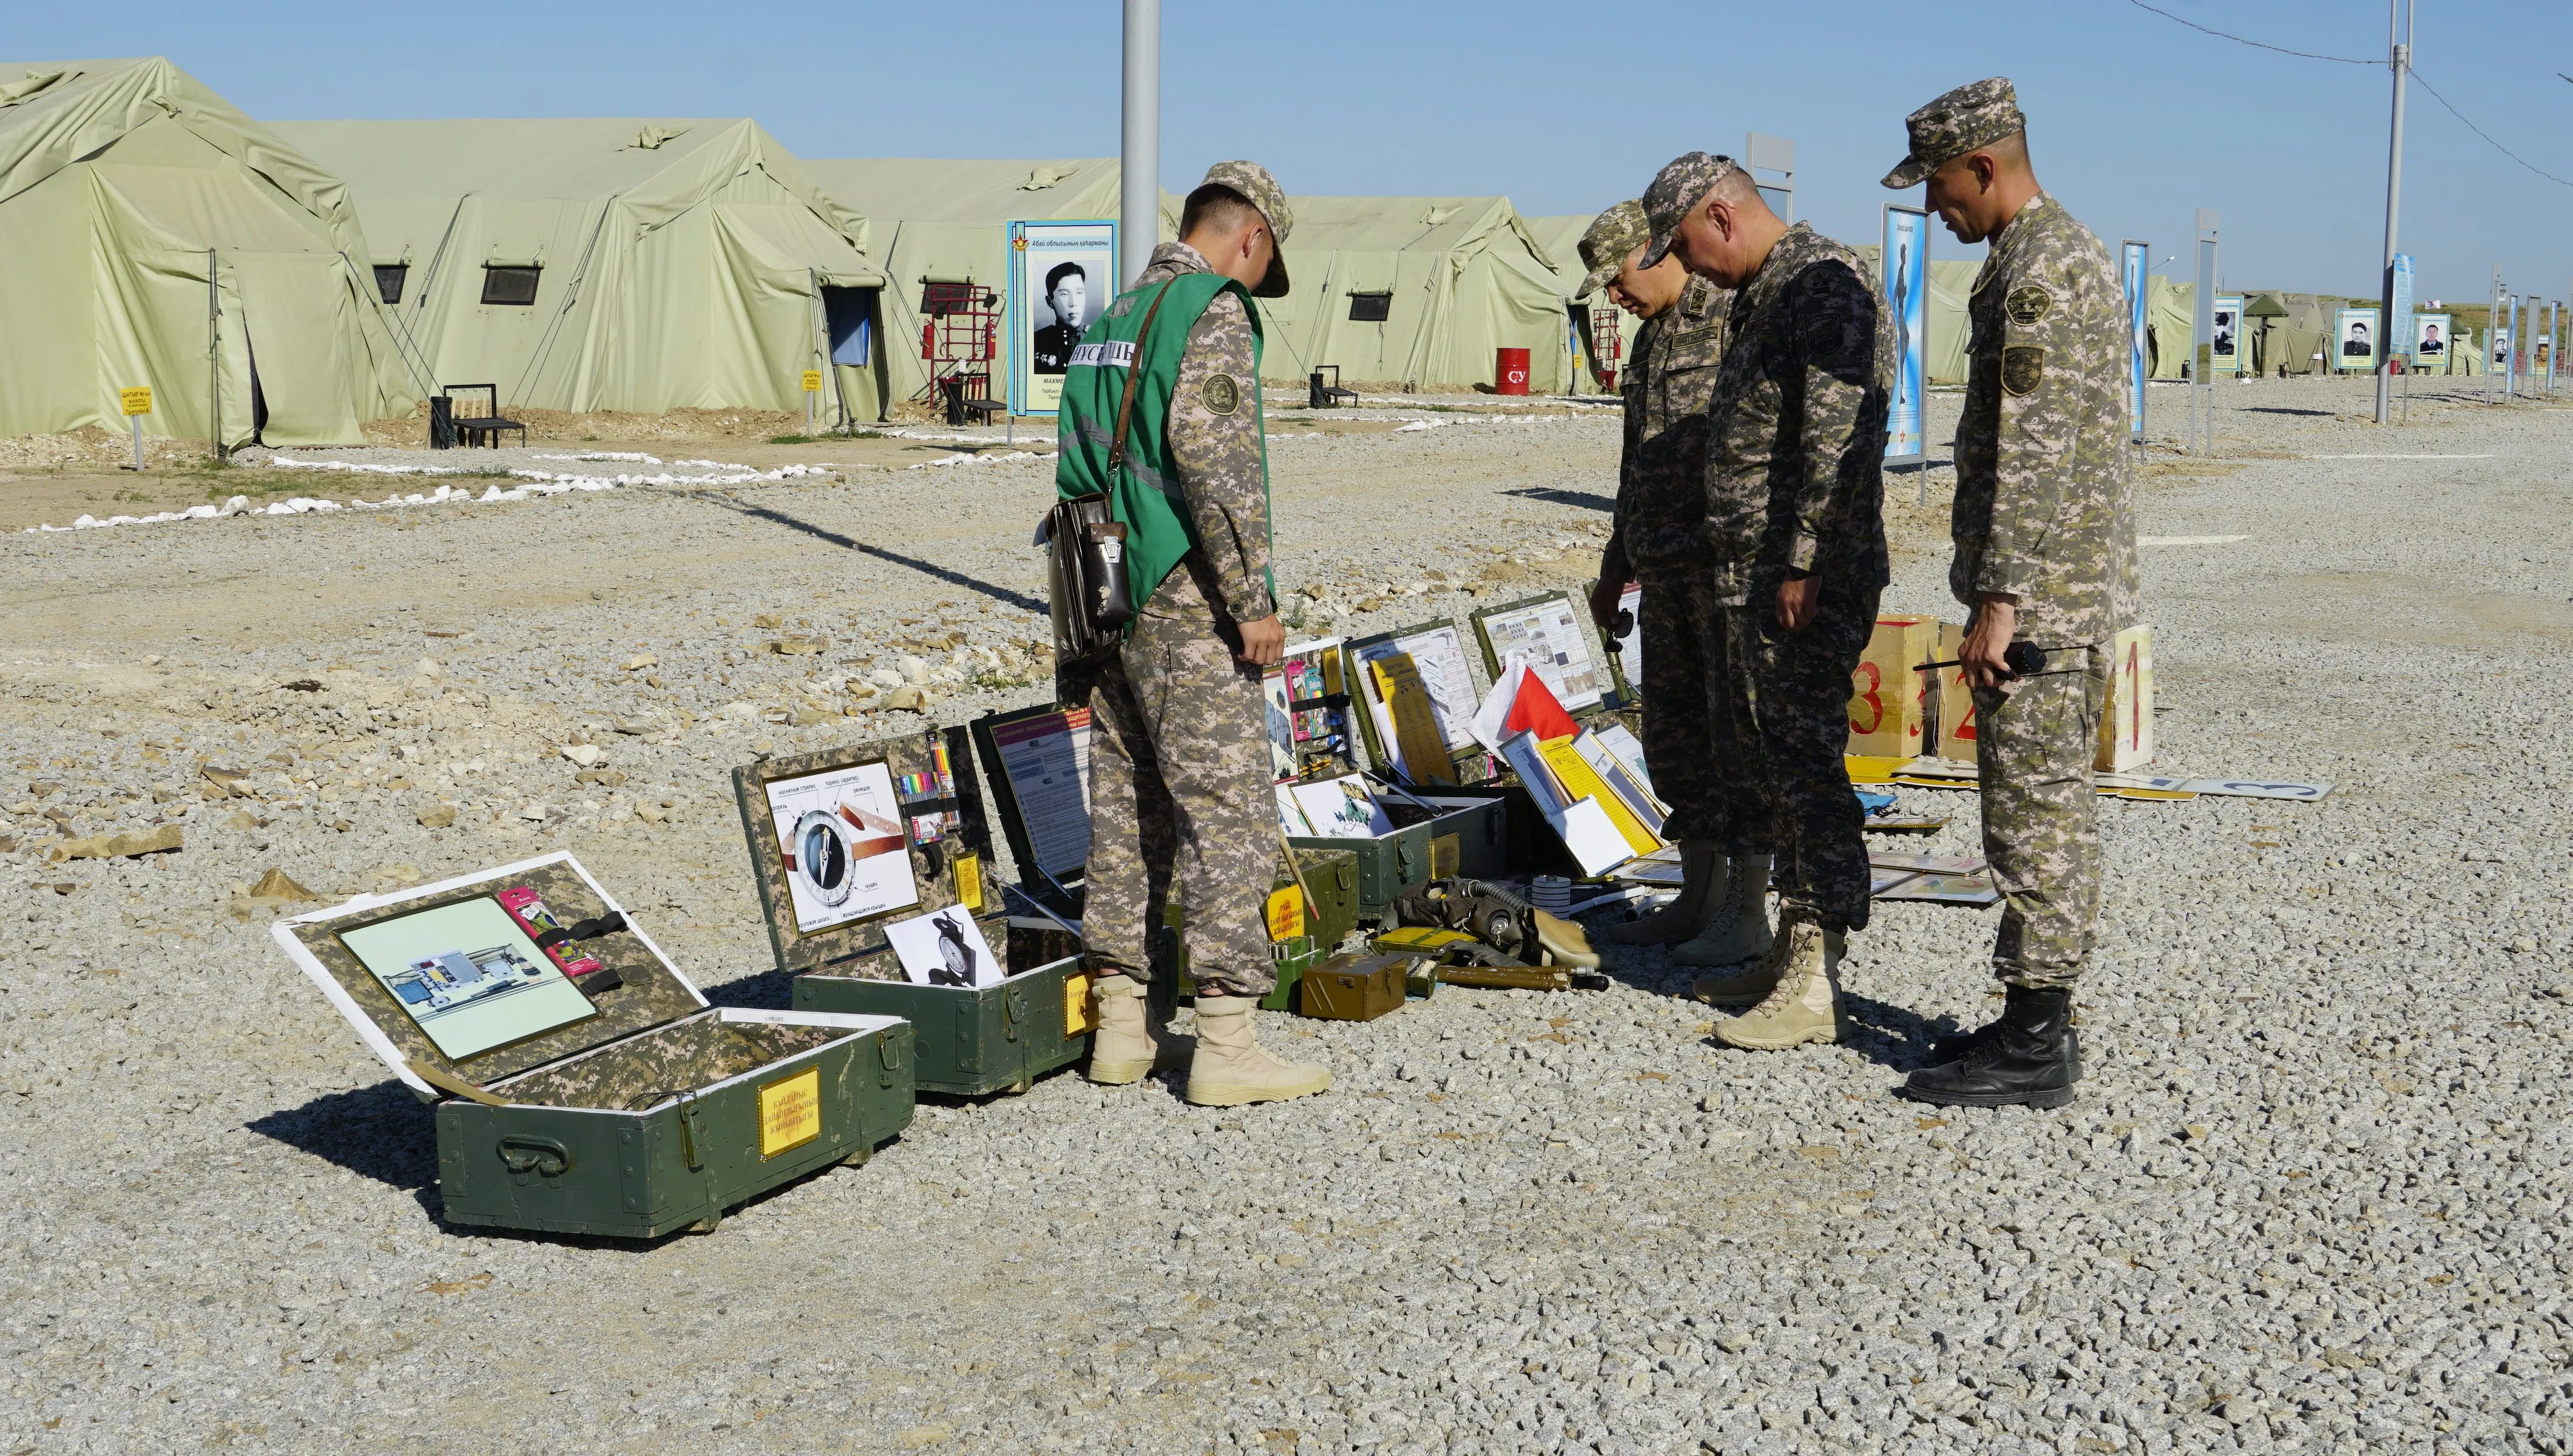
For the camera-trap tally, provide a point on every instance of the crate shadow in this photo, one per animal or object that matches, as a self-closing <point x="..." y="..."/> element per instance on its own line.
<point x="381" y="1133"/>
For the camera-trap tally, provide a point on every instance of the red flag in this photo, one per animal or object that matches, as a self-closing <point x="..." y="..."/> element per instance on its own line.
<point x="1521" y="702"/>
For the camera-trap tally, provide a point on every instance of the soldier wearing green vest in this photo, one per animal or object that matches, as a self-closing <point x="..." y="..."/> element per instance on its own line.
<point x="1180" y="808"/>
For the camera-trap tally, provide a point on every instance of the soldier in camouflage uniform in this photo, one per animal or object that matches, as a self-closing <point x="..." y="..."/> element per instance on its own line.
<point x="1180" y="796"/>
<point x="1793" y="519"/>
<point x="1694" y="725"/>
<point x="2045" y="533"/>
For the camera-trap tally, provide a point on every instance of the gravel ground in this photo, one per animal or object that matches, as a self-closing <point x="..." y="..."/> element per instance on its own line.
<point x="2311" y="1196"/>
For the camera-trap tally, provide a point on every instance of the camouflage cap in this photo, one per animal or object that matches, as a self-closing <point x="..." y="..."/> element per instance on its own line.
<point x="1262" y="191"/>
<point x="1678" y="187"/>
<point x="1974" y="115"/>
<point x="1613" y="234"/>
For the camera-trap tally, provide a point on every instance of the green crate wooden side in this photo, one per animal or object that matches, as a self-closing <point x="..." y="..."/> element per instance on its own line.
<point x="1331" y="879"/>
<point x="629" y="1175"/>
<point x="969" y="1042"/>
<point x="1389" y="862"/>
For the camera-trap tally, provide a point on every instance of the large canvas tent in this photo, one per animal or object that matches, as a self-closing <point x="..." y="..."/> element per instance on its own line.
<point x="153" y="236"/>
<point x="628" y="264"/>
<point x="1560" y="239"/>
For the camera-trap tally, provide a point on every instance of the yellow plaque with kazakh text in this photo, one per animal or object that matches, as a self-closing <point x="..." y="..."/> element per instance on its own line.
<point x="969" y="881"/>
<point x="790" y="1113"/>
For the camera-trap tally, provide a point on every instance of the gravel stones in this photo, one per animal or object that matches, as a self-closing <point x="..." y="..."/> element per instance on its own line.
<point x="2311" y="1195"/>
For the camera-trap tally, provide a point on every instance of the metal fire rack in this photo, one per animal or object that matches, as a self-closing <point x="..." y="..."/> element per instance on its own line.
<point x="960" y="331"/>
<point x="1607" y="346"/>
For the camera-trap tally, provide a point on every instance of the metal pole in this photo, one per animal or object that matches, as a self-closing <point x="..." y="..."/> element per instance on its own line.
<point x="2398" y="41"/>
<point x="215" y="353"/>
<point x="1139" y="190"/>
<point x="2201" y="386"/>
<point x="2493" y="327"/>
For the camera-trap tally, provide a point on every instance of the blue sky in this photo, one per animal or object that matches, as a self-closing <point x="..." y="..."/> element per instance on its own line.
<point x="2135" y="121"/>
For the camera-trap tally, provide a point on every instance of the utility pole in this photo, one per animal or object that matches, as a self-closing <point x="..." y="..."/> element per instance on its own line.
<point x="2398" y="37"/>
<point x="1139" y="166"/>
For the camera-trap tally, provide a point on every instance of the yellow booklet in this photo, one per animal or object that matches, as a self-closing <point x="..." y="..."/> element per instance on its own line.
<point x="1415" y="725"/>
<point x="1581" y="780"/>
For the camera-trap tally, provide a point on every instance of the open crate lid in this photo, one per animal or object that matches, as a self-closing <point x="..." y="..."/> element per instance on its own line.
<point x="393" y="965"/>
<point x="1554" y="633"/>
<point x="1039" y="762"/>
<point x="1438" y="653"/>
<point x="824" y="828"/>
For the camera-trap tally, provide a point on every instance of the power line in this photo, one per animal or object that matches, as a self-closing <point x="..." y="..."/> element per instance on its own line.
<point x="2243" y="40"/>
<point x="2478" y="131"/>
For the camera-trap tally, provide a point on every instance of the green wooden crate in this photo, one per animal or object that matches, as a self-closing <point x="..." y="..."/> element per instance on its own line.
<point x="651" y="1114"/>
<point x="1466" y="836"/>
<point x="966" y="1040"/>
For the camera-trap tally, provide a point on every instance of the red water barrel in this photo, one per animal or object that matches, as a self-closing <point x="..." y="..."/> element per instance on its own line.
<point x="1510" y="371"/>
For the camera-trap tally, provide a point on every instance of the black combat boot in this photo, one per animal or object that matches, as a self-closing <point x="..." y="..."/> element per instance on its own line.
<point x="2030" y="1057"/>
<point x="1955" y="1045"/>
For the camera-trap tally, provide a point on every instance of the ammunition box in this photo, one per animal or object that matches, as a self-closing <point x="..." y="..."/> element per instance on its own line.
<point x="1456" y="835"/>
<point x="1355" y="987"/>
<point x="1331" y="880"/>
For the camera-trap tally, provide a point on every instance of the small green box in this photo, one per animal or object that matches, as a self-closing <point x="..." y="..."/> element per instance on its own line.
<point x="651" y="1113"/>
<point x="1330" y="876"/>
<point x="971" y="1040"/>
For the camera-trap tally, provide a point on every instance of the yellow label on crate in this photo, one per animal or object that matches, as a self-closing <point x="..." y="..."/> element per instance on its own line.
<point x="135" y="402"/>
<point x="812" y="381"/>
<point x="1285" y="913"/>
<point x="790" y="1113"/>
<point x="969" y="881"/>
<point x="1076" y="1006"/>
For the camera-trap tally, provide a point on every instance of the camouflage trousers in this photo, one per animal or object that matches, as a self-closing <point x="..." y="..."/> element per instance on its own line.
<point x="1700" y="744"/>
<point x="2037" y="740"/>
<point x="1798" y="687"/>
<point x="1181" y="807"/>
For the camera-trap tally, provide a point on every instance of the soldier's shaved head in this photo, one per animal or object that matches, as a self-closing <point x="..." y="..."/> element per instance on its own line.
<point x="1978" y="191"/>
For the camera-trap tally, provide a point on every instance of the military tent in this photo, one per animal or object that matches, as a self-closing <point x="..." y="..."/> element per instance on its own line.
<point x="611" y="264"/>
<point x="1560" y="238"/>
<point x="156" y="237"/>
<point x="949" y="221"/>
<point x="1951" y="284"/>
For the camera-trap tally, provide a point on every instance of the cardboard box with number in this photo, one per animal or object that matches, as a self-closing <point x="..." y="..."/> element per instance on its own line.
<point x="2126" y="724"/>
<point x="1954" y="699"/>
<point x="1887" y="704"/>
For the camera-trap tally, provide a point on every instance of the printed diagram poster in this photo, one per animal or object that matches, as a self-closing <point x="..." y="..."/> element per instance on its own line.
<point x="945" y="948"/>
<point x="2430" y="340"/>
<point x="1062" y="277"/>
<point x="1906" y="287"/>
<point x="1438" y="655"/>
<point x="846" y="855"/>
<point x="2137" y="261"/>
<point x="1342" y="808"/>
<point x="1547" y="635"/>
<point x="469" y="976"/>
<point x="2355" y="331"/>
<point x="1047" y="759"/>
<point x="2227" y="349"/>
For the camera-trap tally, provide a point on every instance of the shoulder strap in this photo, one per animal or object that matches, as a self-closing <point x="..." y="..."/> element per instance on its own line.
<point x="1134" y="371"/>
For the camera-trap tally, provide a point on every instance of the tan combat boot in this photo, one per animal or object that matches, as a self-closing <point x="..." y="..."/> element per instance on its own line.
<point x="1737" y="925"/>
<point x="1751" y="986"/>
<point x="1806" y="1003"/>
<point x="1701" y="886"/>
<point x="1230" y="1069"/>
<point x="1124" y="1049"/>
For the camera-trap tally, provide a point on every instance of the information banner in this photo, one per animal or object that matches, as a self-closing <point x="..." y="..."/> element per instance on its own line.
<point x="1062" y="274"/>
<point x="2227" y="349"/>
<point x="1905" y="302"/>
<point x="2136" y="260"/>
<point x="2354" y="339"/>
<point x="2400" y="335"/>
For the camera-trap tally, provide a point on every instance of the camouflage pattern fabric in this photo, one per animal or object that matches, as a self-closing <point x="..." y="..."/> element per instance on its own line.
<point x="1677" y="189"/>
<point x="1214" y="442"/>
<point x="1700" y="742"/>
<point x="1976" y="114"/>
<point x="687" y="1056"/>
<point x="1660" y="520"/>
<point x="2045" y="500"/>
<point x="1179" y="793"/>
<point x="2040" y="820"/>
<point x="1257" y="187"/>
<point x="909" y="757"/>
<point x="1798" y="687"/>
<point x="1796" y="430"/>
<point x="1606" y="242"/>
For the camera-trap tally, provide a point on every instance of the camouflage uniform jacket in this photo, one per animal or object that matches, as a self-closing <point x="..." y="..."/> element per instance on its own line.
<point x="1795" y="432"/>
<point x="2045" y="500"/>
<point x="1661" y="518"/>
<point x="1215" y="442"/>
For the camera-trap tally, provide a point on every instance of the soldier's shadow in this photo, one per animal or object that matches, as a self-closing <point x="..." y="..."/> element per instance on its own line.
<point x="381" y="1133"/>
<point x="1891" y="1037"/>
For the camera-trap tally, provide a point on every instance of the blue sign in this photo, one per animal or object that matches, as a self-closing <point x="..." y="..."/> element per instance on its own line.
<point x="1906" y="303"/>
<point x="2399" y="331"/>
<point x="2139" y="257"/>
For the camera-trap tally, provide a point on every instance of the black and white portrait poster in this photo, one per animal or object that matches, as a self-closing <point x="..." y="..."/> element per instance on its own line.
<point x="2354" y="335"/>
<point x="2227" y="346"/>
<point x="1062" y="276"/>
<point x="2430" y="340"/>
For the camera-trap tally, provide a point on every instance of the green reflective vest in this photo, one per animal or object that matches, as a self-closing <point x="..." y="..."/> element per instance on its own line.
<point x="1145" y="494"/>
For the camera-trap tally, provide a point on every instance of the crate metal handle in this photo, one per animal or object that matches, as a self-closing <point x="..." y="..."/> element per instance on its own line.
<point x="543" y="1157"/>
<point x="889" y="1043"/>
<point x="1014" y="1010"/>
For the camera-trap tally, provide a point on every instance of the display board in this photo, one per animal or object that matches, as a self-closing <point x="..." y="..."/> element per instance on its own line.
<point x="2229" y="350"/>
<point x="1039" y="762"/>
<point x="2354" y="339"/>
<point x="1437" y="653"/>
<point x="1550" y="634"/>
<point x="1906" y="305"/>
<point x="1062" y="273"/>
<point x="2430" y="341"/>
<point x="2399" y="334"/>
<point x="1626" y="654"/>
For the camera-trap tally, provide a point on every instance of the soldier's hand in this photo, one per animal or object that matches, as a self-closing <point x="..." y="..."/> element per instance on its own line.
<point x="1262" y="641"/>
<point x="1603" y="603"/>
<point x="1996" y="622"/>
<point x="1796" y="597"/>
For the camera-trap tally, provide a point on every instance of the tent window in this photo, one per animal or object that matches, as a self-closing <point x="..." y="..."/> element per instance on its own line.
<point x="1371" y="307"/>
<point x="850" y="313"/>
<point x="390" y="278"/>
<point x="509" y="285"/>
